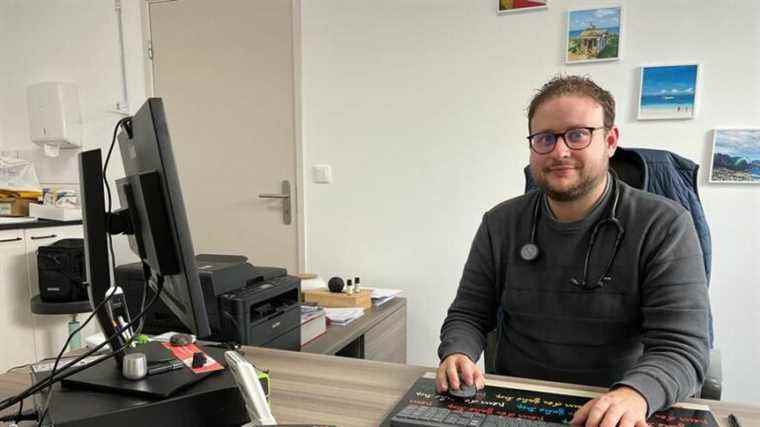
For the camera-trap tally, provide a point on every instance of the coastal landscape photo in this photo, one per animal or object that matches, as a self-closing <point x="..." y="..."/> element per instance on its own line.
<point x="736" y="156"/>
<point x="593" y="35"/>
<point x="668" y="92"/>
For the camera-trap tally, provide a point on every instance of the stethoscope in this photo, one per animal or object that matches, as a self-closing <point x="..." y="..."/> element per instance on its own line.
<point x="530" y="251"/>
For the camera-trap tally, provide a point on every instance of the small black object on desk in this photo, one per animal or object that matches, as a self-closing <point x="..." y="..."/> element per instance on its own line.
<point x="179" y="340"/>
<point x="166" y="367"/>
<point x="335" y="285"/>
<point x="199" y="359"/>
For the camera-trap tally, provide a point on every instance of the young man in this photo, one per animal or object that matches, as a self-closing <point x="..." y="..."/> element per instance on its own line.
<point x="588" y="280"/>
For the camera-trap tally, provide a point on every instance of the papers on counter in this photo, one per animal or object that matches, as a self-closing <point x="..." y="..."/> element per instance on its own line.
<point x="380" y="296"/>
<point x="343" y="316"/>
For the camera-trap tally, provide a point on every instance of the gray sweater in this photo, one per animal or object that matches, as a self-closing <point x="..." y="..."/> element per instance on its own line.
<point x="646" y="328"/>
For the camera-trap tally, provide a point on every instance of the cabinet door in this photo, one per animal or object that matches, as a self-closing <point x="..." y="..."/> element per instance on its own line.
<point x="16" y="328"/>
<point x="51" y="331"/>
<point x="386" y="341"/>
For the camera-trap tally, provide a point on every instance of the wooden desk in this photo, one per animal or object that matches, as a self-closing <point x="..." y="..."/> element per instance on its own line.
<point x="378" y="335"/>
<point x="314" y="388"/>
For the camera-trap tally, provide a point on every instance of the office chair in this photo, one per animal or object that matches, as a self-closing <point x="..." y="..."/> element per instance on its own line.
<point x="655" y="171"/>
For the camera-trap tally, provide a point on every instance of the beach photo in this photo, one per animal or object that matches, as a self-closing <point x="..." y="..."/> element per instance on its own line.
<point x="507" y="6"/>
<point x="593" y="35"/>
<point x="668" y="92"/>
<point x="736" y="156"/>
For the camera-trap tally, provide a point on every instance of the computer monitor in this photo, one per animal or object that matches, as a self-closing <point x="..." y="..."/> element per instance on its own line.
<point x="147" y="155"/>
<point x="152" y="214"/>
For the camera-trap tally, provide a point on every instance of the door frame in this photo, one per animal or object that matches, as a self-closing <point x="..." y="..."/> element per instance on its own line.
<point x="300" y="184"/>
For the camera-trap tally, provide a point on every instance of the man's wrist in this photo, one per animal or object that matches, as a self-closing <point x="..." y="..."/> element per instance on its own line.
<point x="449" y="349"/>
<point x="639" y="389"/>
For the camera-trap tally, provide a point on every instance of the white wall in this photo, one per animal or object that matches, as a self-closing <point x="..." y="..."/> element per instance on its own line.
<point x="73" y="41"/>
<point x="419" y="106"/>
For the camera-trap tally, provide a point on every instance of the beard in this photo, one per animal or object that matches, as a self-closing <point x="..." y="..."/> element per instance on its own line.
<point x="588" y="179"/>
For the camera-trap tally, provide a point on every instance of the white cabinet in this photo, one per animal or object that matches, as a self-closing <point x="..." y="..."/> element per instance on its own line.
<point x="25" y="337"/>
<point x="51" y="331"/>
<point x="16" y="326"/>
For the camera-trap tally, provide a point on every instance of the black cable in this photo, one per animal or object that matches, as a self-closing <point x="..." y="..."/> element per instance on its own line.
<point x="113" y="263"/>
<point x="108" y="189"/>
<point x="24" y="416"/>
<point x="138" y="331"/>
<point x="146" y="269"/>
<point x="20" y="410"/>
<point x="63" y="349"/>
<point x="70" y="369"/>
<point x="231" y="318"/>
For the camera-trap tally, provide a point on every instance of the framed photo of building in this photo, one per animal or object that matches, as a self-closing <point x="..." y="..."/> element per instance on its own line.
<point x="669" y="92"/>
<point x="594" y="35"/>
<point x="735" y="156"/>
<point x="508" y="6"/>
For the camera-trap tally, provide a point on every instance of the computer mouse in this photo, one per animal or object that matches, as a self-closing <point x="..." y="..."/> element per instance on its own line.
<point x="181" y="339"/>
<point x="465" y="391"/>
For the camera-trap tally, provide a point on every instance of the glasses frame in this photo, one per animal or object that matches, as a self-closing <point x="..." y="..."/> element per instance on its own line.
<point x="564" y="138"/>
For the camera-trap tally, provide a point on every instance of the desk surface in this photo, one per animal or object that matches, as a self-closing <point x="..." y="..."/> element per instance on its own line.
<point x="311" y="388"/>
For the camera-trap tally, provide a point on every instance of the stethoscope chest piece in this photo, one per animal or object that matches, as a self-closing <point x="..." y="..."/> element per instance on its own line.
<point x="529" y="252"/>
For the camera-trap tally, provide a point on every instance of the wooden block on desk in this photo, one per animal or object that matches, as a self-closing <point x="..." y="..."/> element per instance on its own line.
<point x="326" y="298"/>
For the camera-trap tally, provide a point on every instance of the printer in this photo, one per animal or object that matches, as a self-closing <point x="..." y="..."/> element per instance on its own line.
<point x="258" y="306"/>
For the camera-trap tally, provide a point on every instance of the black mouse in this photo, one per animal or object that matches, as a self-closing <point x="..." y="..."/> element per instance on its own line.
<point x="178" y="340"/>
<point x="465" y="391"/>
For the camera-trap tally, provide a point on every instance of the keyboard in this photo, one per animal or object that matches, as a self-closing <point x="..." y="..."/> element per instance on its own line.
<point x="416" y="415"/>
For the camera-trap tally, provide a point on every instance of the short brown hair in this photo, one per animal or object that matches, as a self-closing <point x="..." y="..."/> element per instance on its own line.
<point x="574" y="86"/>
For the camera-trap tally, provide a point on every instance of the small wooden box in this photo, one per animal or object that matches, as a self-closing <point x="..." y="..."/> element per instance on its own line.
<point x="326" y="298"/>
<point x="14" y="206"/>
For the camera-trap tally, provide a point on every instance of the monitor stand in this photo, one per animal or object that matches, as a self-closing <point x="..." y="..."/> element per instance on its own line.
<point x="215" y="400"/>
<point x="106" y="377"/>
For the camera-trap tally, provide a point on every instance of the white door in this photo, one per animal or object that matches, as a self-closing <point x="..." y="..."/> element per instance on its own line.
<point x="225" y="70"/>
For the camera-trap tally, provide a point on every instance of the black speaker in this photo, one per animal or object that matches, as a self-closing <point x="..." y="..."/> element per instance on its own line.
<point x="61" y="271"/>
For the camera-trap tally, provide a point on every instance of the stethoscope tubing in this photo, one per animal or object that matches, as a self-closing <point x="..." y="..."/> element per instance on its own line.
<point x="531" y="251"/>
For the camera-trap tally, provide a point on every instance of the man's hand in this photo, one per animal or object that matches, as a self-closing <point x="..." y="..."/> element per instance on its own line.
<point x="447" y="373"/>
<point x="623" y="407"/>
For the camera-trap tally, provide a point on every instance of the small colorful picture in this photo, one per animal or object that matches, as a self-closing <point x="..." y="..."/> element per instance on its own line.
<point x="736" y="156"/>
<point x="593" y="35"/>
<point x="507" y="6"/>
<point x="668" y="92"/>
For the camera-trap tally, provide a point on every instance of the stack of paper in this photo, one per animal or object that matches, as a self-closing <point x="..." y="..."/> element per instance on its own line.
<point x="380" y="296"/>
<point x="343" y="316"/>
<point x="313" y="323"/>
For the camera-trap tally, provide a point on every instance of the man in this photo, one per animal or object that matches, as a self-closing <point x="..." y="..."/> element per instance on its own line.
<point x="625" y="308"/>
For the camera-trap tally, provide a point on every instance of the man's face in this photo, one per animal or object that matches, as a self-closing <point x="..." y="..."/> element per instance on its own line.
<point x="565" y="174"/>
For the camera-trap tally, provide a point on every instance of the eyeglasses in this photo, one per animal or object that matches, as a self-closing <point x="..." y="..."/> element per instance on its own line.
<point x="575" y="139"/>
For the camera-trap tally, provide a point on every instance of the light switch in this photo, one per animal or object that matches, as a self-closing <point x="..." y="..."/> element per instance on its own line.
<point x="322" y="174"/>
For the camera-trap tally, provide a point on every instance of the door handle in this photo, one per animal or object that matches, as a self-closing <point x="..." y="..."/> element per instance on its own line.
<point x="287" y="218"/>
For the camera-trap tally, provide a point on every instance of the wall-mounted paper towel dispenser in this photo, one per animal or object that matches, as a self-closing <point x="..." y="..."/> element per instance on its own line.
<point x="55" y="118"/>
